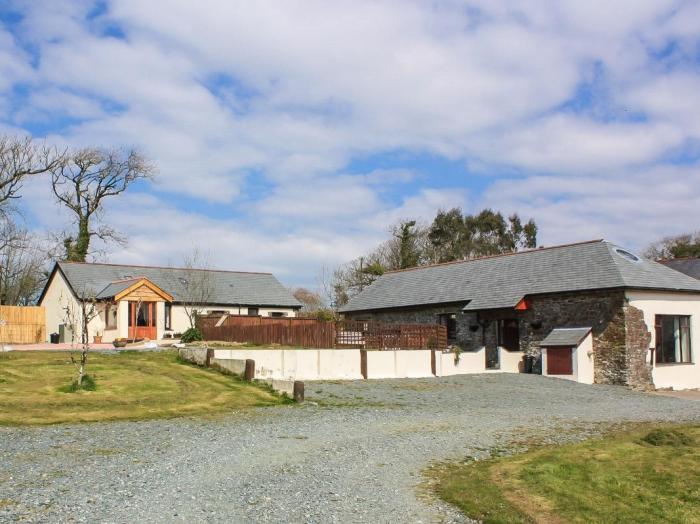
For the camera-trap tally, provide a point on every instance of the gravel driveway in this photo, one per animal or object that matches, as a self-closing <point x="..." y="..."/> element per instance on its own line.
<point x="353" y="454"/>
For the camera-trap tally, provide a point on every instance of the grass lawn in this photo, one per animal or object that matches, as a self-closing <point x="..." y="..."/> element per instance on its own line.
<point x="130" y="386"/>
<point x="648" y="475"/>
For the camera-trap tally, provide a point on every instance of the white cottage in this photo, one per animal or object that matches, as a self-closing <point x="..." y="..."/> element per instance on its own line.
<point x="152" y="302"/>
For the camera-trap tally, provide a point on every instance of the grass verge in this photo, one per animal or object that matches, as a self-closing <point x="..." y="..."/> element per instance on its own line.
<point x="35" y="388"/>
<point x="648" y="475"/>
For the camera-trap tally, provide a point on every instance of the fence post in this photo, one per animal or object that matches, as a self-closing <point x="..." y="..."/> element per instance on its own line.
<point x="363" y="363"/>
<point x="209" y="356"/>
<point x="433" y="363"/>
<point x="249" y="370"/>
<point x="298" y="392"/>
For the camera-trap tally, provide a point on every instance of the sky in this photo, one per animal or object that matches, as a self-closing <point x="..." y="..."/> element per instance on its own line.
<point x="290" y="136"/>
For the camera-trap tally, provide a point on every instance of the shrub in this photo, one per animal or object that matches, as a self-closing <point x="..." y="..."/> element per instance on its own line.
<point x="191" y="335"/>
<point x="668" y="437"/>
<point x="325" y="315"/>
<point x="87" y="385"/>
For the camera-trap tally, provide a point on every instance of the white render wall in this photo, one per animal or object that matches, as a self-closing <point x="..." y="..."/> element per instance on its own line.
<point x="57" y="298"/>
<point x="652" y="303"/>
<point x="299" y="364"/>
<point x="510" y="361"/>
<point x="345" y="364"/>
<point x="399" y="364"/>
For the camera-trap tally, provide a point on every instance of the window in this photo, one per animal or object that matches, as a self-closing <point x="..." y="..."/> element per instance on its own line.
<point x="142" y="314"/>
<point x="168" y="316"/>
<point x="110" y="316"/>
<point x="449" y="320"/>
<point x="277" y="314"/>
<point x="252" y="311"/>
<point x="672" y="339"/>
<point x="627" y="255"/>
<point x="508" y="334"/>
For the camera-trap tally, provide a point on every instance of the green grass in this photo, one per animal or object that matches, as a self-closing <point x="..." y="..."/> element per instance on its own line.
<point x="647" y="475"/>
<point x="35" y="388"/>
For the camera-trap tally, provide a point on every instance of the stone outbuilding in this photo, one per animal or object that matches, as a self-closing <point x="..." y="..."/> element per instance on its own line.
<point x="639" y="316"/>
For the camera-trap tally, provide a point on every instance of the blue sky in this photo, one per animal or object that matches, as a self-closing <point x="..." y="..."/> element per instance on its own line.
<point x="290" y="136"/>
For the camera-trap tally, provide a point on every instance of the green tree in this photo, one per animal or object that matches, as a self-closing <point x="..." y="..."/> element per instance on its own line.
<point x="680" y="246"/>
<point x="453" y="236"/>
<point x="448" y="236"/>
<point x="409" y="253"/>
<point x="488" y="231"/>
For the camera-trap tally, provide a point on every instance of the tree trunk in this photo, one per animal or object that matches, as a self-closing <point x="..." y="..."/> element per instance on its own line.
<point x="81" y="373"/>
<point x="82" y="243"/>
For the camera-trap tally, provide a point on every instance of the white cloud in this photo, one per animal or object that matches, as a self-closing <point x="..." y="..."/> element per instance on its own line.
<point x="223" y="95"/>
<point x="673" y="98"/>
<point x="563" y="143"/>
<point x="630" y="208"/>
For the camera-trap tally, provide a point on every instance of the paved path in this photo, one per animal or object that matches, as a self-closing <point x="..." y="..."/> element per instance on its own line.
<point x="357" y="456"/>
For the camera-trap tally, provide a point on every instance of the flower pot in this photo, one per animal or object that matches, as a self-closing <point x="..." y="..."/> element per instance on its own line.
<point x="97" y="339"/>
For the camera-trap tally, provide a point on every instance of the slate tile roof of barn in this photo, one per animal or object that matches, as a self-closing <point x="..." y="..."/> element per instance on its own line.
<point x="565" y="337"/>
<point x="502" y="281"/>
<point x="688" y="266"/>
<point x="227" y="287"/>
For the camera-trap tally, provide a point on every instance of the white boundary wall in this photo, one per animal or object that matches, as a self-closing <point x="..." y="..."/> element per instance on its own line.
<point x="346" y="364"/>
<point x="399" y="364"/>
<point x="299" y="364"/>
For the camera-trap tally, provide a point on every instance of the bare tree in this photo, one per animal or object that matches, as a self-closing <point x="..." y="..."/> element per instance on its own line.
<point x="78" y="317"/>
<point x="324" y="284"/>
<point x="22" y="266"/>
<point x="84" y="180"/>
<point x="21" y="158"/>
<point x="196" y="285"/>
<point x="311" y="301"/>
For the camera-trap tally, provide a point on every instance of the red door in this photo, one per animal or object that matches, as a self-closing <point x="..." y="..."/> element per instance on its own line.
<point x="142" y="320"/>
<point x="559" y="361"/>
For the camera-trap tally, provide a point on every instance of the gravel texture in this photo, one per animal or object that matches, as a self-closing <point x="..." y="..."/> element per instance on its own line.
<point x="353" y="453"/>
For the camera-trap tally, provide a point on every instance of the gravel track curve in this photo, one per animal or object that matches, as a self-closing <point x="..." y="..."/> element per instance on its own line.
<point x="353" y="453"/>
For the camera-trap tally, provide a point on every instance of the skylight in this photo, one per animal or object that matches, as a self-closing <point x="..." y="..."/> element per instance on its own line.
<point x="627" y="255"/>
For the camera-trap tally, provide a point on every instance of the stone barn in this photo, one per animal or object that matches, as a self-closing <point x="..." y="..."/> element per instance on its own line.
<point x="603" y="314"/>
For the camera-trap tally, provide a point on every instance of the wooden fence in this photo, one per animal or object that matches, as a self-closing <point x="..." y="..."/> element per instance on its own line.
<point x="22" y="325"/>
<point x="312" y="333"/>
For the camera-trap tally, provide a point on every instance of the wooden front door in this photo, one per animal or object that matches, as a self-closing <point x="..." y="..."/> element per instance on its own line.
<point x="559" y="361"/>
<point x="142" y="320"/>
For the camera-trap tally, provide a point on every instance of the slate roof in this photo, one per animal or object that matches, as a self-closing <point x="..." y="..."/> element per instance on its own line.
<point x="688" y="266"/>
<point x="114" y="288"/>
<point x="565" y="337"/>
<point x="502" y="281"/>
<point x="228" y="287"/>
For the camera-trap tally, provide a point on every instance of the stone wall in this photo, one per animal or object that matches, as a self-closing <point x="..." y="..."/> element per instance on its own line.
<point x="620" y="336"/>
<point x="422" y="315"/>
<point x="638" y="340"/>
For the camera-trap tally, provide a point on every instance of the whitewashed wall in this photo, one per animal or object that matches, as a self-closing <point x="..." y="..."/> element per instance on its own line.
<point x="299" y="364"/>
<point x="652" y="303"/>
<point x="59" y="296"/>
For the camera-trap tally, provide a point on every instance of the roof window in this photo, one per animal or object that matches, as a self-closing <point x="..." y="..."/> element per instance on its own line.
<point x="627" y="255"/>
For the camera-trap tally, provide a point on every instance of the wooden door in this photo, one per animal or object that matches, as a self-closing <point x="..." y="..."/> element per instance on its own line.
<point x="142" y="320"/>
<point x="559" y="361"/>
